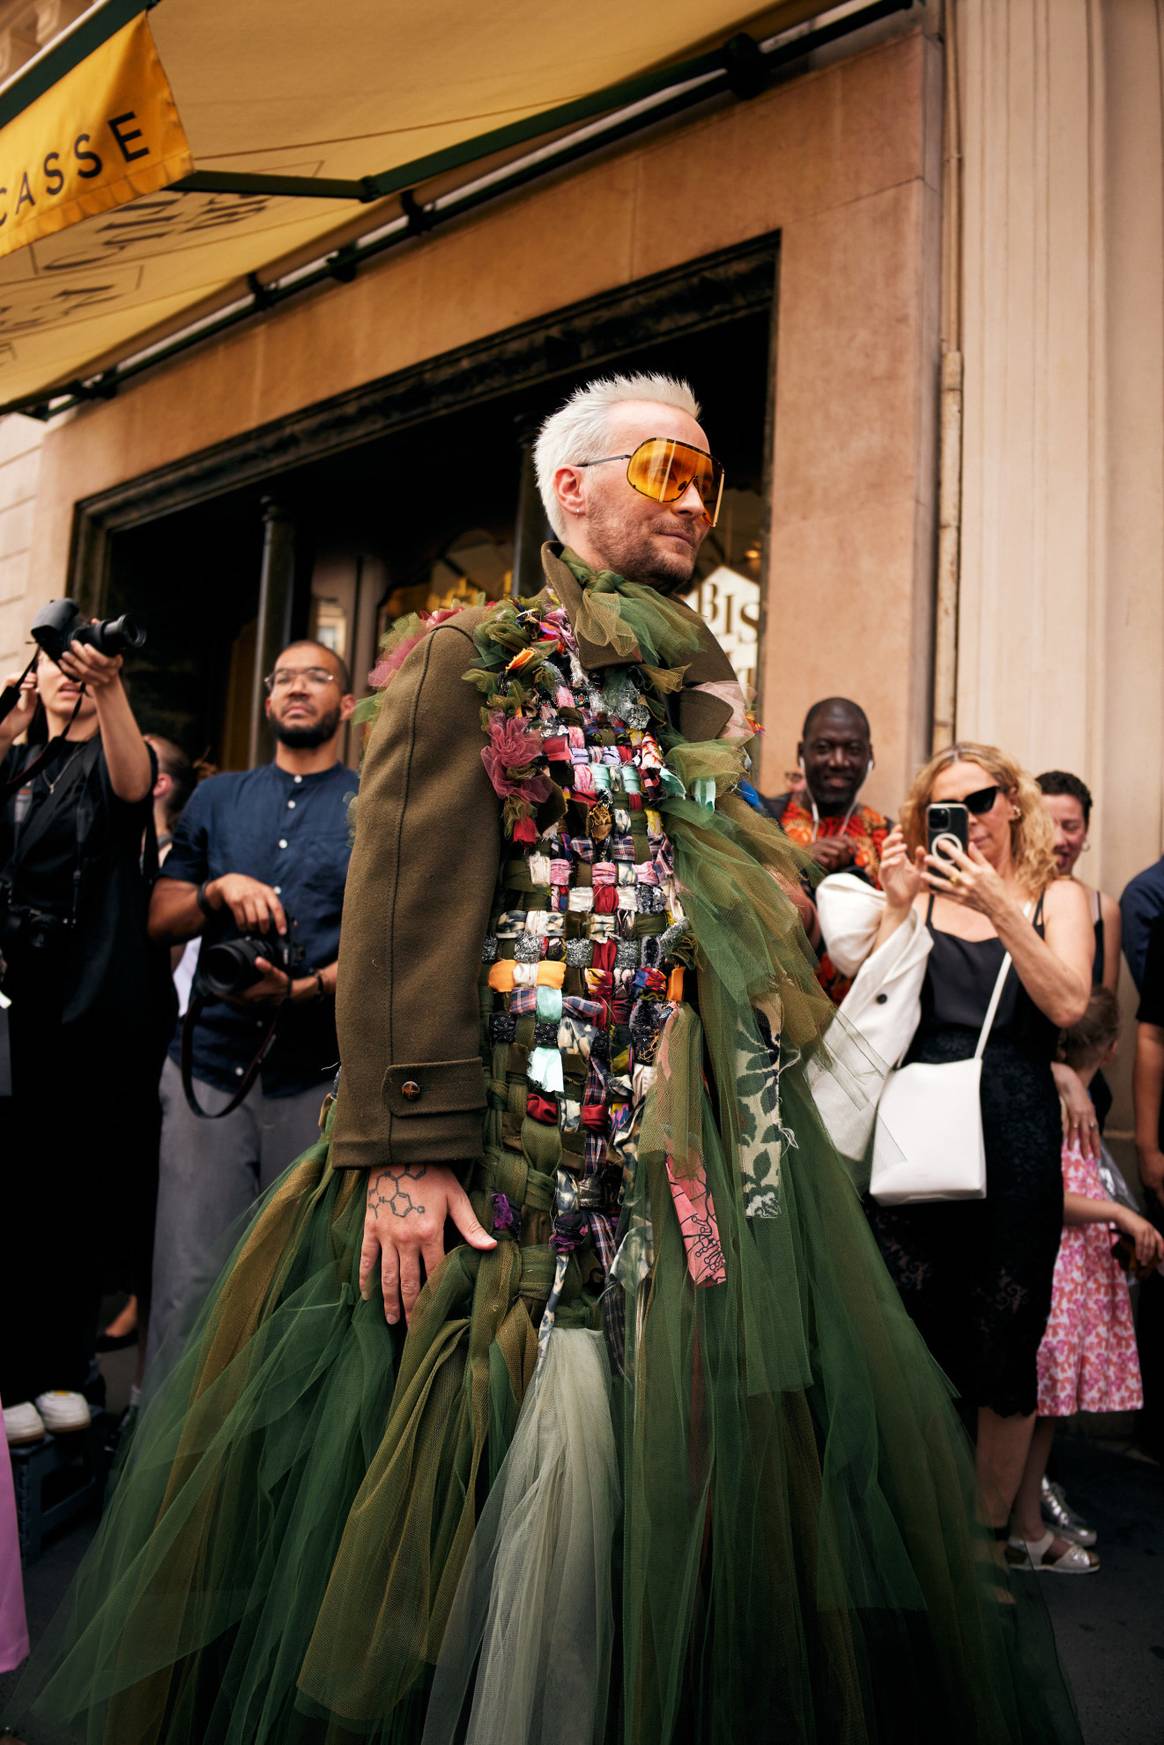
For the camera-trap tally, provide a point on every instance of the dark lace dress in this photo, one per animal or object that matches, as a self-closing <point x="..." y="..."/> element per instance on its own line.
<point x="976" y="1274"/>
<point x="1101" y="1094"/>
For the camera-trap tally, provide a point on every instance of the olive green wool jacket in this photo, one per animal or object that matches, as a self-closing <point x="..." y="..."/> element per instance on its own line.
<point x="420" y="892"/>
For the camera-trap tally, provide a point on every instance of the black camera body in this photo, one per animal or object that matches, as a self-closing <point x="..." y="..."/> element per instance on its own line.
<point x="29" y="937"/>
<point x="27" y="928"/>
<point x="60" y="623"/>
<point x="227" y="968"/>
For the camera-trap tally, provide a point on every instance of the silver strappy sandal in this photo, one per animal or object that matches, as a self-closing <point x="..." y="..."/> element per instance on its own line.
<point x="1035" y="1554"/>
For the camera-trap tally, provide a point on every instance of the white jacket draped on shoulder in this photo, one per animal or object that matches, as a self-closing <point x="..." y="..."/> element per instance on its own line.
<point x="876" y="1021"/>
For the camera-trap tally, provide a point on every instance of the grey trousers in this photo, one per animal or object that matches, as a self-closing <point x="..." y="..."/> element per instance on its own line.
<point x="209" y="1173"/>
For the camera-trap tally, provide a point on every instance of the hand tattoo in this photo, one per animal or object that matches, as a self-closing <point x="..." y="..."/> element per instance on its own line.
<point x="389" y="1190"/>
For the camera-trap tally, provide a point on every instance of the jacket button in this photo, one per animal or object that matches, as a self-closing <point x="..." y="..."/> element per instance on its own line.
<point x="881" y="999"/>
<point x="410" y="1090"/>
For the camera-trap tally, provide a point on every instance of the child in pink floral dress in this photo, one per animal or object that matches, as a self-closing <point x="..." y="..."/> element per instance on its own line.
<point x="1087" y="1360"/>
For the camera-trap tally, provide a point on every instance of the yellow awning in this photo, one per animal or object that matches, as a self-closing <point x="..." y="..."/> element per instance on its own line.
<point x="268" y="100"/>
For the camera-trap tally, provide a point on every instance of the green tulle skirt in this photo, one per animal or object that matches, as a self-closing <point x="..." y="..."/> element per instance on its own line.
<point x="756" y="1521"/>
<point x="794" y="1555"/>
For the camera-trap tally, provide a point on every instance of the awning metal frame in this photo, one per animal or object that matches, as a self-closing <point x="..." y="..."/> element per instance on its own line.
<point x="740" y="62"/>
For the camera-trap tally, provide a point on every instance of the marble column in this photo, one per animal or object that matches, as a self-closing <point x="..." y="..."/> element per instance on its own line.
<point x="1061" y="615"/>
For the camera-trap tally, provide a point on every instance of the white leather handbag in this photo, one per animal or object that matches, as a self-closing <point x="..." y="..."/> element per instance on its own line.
<point x="927" y="1143"/>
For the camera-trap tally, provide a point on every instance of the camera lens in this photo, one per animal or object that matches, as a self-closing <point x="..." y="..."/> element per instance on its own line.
<point x="116" y="635"/>
<point x="228" y="968"/>
<point x="113" y="635"/>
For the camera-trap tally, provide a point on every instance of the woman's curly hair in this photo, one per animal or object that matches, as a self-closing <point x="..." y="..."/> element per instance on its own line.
<point x="1032" y="836"/>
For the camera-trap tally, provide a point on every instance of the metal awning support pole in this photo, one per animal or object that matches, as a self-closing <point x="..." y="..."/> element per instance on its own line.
<point x="276" y="595"/>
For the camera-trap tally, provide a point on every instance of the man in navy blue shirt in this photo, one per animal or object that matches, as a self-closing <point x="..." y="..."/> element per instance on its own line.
<point x="267" y="851"/>
<point x="1141" y="906"/>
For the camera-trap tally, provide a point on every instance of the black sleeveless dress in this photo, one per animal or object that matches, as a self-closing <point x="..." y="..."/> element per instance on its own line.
<point x="1101" y="1093"/>
<point x="976" y="1275"/>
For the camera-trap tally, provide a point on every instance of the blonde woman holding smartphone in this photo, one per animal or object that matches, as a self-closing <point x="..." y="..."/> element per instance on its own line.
<point x="976" y="1274"/>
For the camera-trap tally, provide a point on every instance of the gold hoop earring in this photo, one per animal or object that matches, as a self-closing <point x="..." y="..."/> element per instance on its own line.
<point x="1015" y="815"/>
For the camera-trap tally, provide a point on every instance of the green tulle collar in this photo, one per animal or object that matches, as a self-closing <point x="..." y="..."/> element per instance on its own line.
<point x="636" y="621"/>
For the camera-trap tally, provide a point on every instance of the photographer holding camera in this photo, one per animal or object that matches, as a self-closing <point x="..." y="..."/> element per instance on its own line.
<point x="257" y="867"/>
<point x="90" y="1002"/>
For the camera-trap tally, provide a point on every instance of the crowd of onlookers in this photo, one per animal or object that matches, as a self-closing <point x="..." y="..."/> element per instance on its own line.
<point x="169" y="953"/>
<point x="209" y="1085"/>
<point x="1024" y="1293"/>
<point x="144" y="1103"/>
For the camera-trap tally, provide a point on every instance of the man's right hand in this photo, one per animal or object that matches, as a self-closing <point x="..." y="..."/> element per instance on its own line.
<point x="254" y="906"/>
<point x="405" y="1224"/>
<point x="833" y="853"/>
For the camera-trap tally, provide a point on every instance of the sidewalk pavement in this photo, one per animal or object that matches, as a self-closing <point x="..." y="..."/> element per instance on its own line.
<point x="1110" y="1626"/>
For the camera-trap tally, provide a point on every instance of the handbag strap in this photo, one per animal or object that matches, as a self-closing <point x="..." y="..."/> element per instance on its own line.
<point x="996" y="996"/>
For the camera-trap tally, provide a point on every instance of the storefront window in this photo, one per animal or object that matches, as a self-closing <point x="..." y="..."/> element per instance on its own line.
<point x="727" y="594"/>
<point x="437" y="512"/>
<point x="329" y="625"/>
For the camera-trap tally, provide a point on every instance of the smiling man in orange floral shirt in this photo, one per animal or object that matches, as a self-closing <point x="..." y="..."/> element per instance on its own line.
<point x="836" y="756"/>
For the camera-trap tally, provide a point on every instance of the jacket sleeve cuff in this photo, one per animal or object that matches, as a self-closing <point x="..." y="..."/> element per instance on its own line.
<point x="433" y="1112"/>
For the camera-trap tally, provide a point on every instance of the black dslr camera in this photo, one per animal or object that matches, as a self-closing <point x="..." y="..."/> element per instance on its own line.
<point x="228" y="968"/>
<point x="60" y="623"/>
<point x="54" y="628"/>
<point x="24" y="927"/>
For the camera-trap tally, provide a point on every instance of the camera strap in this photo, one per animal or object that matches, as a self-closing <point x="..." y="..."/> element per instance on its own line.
<point x="193" y="1012"/>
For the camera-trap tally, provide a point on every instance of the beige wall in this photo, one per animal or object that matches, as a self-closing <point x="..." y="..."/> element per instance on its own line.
<point x="1062" y="594"/>
<point x="21" y="441"/>
<point x="843" y="162"/>
<point x="1062" y="602"/>
<point x="850" y="601"/>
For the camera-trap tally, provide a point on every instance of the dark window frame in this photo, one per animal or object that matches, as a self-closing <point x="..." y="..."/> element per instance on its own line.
<point x="594" y="333"/>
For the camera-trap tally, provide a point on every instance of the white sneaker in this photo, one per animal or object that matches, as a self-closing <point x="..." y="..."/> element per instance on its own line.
<point x="23" y="1423"/>
<point x="63" y="1411"/>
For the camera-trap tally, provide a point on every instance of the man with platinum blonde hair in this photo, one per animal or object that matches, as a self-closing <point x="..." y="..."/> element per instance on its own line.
<point x="573" y="1002"/>
<point x="583" y="485"/>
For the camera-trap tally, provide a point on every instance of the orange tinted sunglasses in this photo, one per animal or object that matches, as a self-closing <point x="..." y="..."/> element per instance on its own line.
<point x="664" y="469"/>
